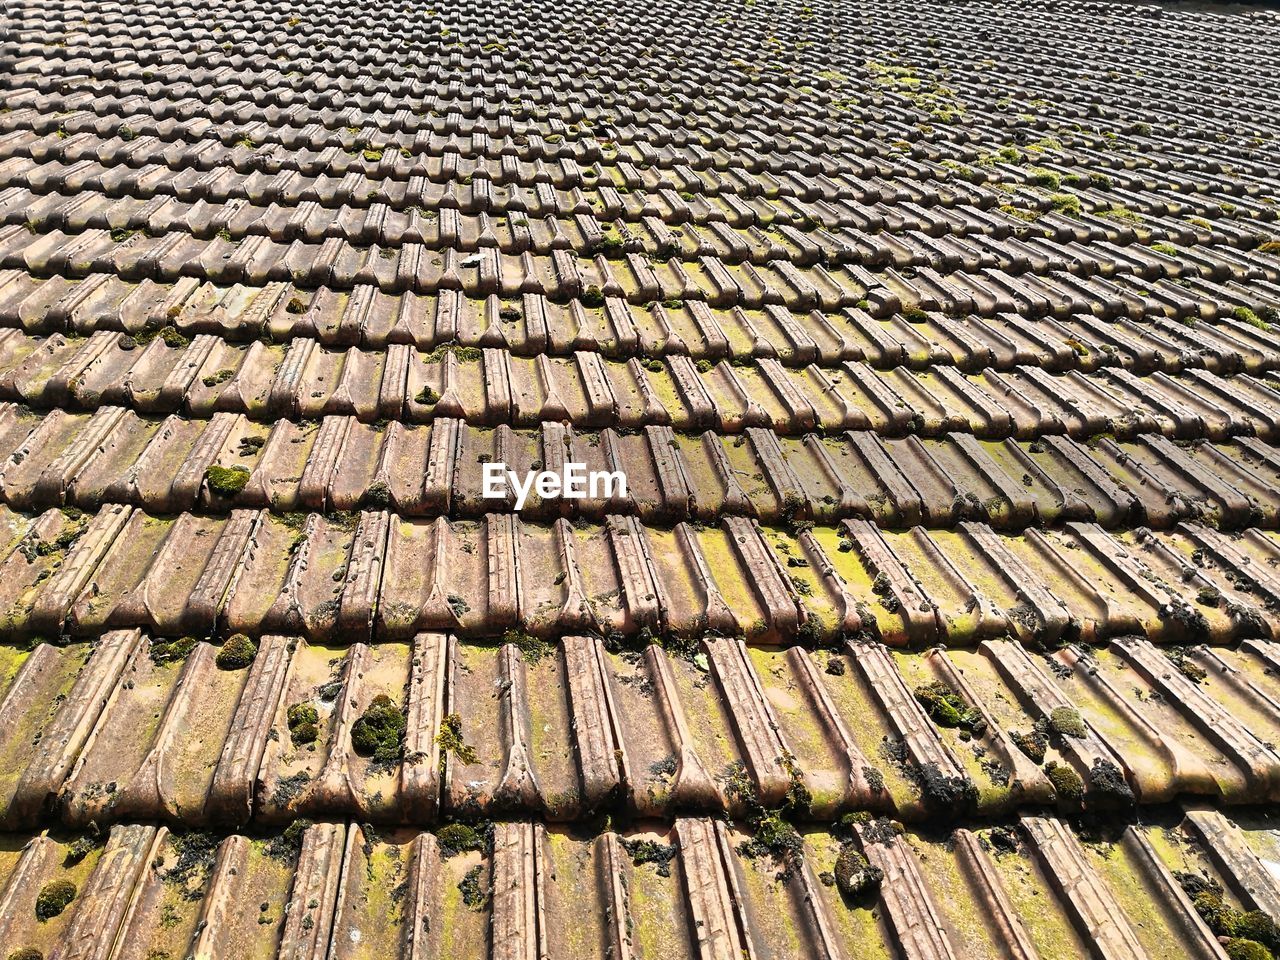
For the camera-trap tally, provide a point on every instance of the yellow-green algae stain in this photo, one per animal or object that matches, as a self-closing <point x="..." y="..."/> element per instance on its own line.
<point x="1033" y="900"/>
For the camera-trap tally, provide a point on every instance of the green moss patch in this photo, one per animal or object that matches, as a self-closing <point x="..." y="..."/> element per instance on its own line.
<point x="531" y="648"/>
<point x="171" y="651"/>
<point x="1066" y="722"/>
<point x="303" y="720"/>
<point x="379" y="732"/>
<point x="455" y="838"/>
<point x="226" y="481"/>
<point x="237" y="653"/>
<point x="1247" y="934"/>
<point x="197" y="852"/>
<point x="1066" y="782"/>
<point x="771" y="834"/>
<point x="450" y="741"/>
<point x="54" y="897"/>
<point x="285" y="846"/>
<point x="946" y="708"/>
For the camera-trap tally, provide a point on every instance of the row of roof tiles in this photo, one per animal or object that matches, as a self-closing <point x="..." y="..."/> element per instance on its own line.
<point x="532" y="324"/>
<point x="114" y="455"/>
<point x="355" y="577"/>
<point x="347" y="169"/>
<point x="948" y="195"/>
<point x="304" y="380"/>
<point x="887" y="141"/>
<point x="345" y="40"/>
<point x="697" y="78"/>
<point x="958" y="240"/>
<point x="279" y="74"/>
<point x="651" y="133"/>
<point x="880" y="145"/>
<point x="133" y="255"/>
<point x="692" y="891"/>
<point x="132" y="728"/>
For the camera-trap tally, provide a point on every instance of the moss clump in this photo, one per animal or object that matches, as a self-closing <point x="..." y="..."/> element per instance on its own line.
<point x="1186" y="666"/>
<point x="170" y="651"/>
<point x="531" y="648"/>
<point x="450" y="741"/>
<point x="1257" y="926"/>
<point x="33" y="547"/>
<point x="54" y="898"/>
<point x="1119" y="211"/>
<point x="1238" y="948"/>
<point x="1250" y="931"/>
<point x="426" y="396"/>
<point x="592" y="297"/>
<point x="226" y="481"/>
<point x="303" y="720"/>
<point x="197" y="852"/>
<point x="455" y="838"/>
<point x="1107" y="783"/>
<point x="855" y="876"/>
<point x="169" y="334"/>
<point x="1044" y="178"/>
<point x="612" y="246"/>
<point x="1245" y="315"/>
<point x="378" y="496"/>
<point x="771" y="834"/>
<point x="250" y="445"/>
<point x="844" y="826"/>
<point x="1168" y="249"/>
<point x="379" y="733"/>
<point x="237" y="652"/>
<point x="945" y="708"/>
<point x="26" y="953"/>
<point x="944" y="795"/>
<point x="79" y="848"/>
<point x="286" y="845"/>
<point x="1194" y="884"/>
<point x="1065" y="203"/>
<point x="473" y="894"/>
<point x="651" y="851"/>
<point x="1066" y="782"/>
<point x="1003" y="840"/>
<point x="1066" y="722"/>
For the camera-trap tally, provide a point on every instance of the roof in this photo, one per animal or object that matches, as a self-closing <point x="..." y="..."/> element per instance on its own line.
<point x="936" y="344"/>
